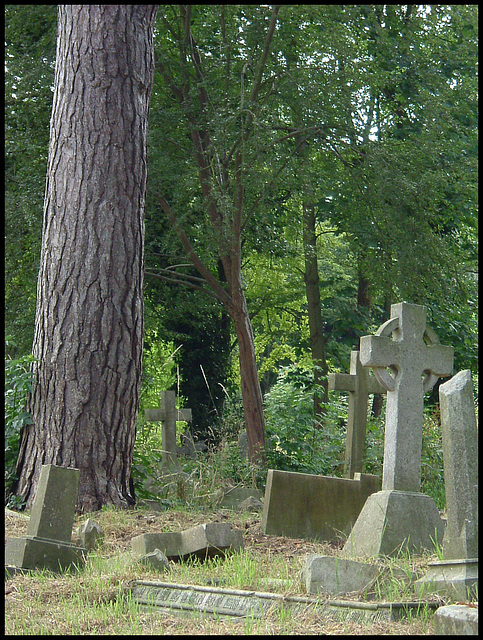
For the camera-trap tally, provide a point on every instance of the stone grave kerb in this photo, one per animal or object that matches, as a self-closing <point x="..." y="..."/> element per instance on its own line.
<point x="168" y="415"/>
<point x="407" y="366"/>
<point x="359" y="384"/>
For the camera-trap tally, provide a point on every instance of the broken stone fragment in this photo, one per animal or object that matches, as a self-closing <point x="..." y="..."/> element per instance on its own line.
<point x="155" y="559"/>
<point x="88" y="533"/>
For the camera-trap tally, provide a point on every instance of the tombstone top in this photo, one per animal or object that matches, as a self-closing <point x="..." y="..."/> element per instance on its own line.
<point x="359" y="378"/>
<point x="408" y="353"/>
<point x="53" y="509"/>
<point x="167" y="409"/>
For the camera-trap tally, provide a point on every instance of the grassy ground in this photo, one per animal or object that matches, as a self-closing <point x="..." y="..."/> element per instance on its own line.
<point x="97" y="599"/>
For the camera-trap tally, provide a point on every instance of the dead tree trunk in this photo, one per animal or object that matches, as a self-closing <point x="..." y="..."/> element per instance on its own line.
<point x="89" y="319"/>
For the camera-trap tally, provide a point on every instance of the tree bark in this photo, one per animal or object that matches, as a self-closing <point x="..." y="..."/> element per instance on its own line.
<point x="89" y="319"/>
<point x="250" y="384"/>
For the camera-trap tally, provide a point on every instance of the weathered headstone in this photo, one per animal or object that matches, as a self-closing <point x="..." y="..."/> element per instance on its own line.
<point x="301" y="505"/>
<point x="408" y="365"/>
<point x="168" y="415"/>
<point x="457" y="574"/>
<point x="204" y="541"/>
<point x="48" y="540"/>
<point x="360" y="384"/>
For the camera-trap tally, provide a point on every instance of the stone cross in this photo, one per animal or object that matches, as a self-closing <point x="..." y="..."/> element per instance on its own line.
<point x="407" y="366"/>
<point x="48" y="540"/>
<point x="460" y="456"/>
<point x="168" y="415"/>
<point x="359" y="383"/>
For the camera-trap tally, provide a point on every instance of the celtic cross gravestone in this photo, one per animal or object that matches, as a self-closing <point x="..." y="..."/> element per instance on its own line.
<point x="415" y="360"/>
<point x="407" y="365"/>
<point x="360" y="384"/>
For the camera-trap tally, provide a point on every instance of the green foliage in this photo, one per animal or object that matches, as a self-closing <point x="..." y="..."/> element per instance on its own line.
<point x="159" y="368"/>
<point x="18" y="383"/>
<point x="294" y="441"/>
<point x="432" y="472"/>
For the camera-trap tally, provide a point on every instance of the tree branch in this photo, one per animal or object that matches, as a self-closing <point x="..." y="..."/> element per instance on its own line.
<point x="210" y="279"/>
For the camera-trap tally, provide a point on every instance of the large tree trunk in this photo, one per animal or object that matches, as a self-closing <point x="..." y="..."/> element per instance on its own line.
<point x="89" y="319"/>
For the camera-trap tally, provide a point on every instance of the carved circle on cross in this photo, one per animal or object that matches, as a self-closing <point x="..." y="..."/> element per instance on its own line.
<point x="388" y="379"/>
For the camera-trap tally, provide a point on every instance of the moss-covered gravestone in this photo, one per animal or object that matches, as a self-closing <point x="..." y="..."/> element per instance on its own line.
<point x="48" y="540"/>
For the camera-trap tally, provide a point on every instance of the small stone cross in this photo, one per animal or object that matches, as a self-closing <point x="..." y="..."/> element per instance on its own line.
<point x="168" y="415"/>
<point x="359" y="383"/>
<point x="415" y="360"/>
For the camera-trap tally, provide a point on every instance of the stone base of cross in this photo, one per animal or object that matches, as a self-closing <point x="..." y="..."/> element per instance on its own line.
<point x="168" y="415"/>
<point x="407" y="365"/>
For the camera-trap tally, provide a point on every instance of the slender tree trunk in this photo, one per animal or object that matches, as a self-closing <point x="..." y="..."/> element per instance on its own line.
<point x="250" y="384"/>
<point x="89" y="319"/>
<point x="317" y="339"/>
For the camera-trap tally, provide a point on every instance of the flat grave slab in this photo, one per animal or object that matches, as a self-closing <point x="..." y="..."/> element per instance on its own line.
<point x="184" y="599"/>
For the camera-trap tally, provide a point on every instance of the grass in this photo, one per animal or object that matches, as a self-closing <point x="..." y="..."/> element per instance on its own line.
<point x="97" y="599"/>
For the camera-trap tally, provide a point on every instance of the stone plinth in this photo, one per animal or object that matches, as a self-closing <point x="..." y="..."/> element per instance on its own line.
<point x="300" y="505"/>
<point x="392" y="521"/>
<point x="456" y="579"/>
<point x="39" y="553"/>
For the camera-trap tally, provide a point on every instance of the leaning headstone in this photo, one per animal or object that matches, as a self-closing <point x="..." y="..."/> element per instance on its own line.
<point x="457" y="574"/>
<point x="301" y="505"/>
<point x="360" y="384"/>
<point x="399" y="516"/>
<point x="336" y="576"/>
<point x="168" y="415"/>
<point x="203" y="541"/>
<point x="48" y="540"/>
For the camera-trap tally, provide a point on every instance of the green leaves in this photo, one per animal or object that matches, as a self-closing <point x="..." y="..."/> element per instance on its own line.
<point x="18" y="384"/>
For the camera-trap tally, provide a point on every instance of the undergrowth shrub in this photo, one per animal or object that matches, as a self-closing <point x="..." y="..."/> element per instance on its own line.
<point x="294" y="442"/>
<point x="18" y="383"/>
